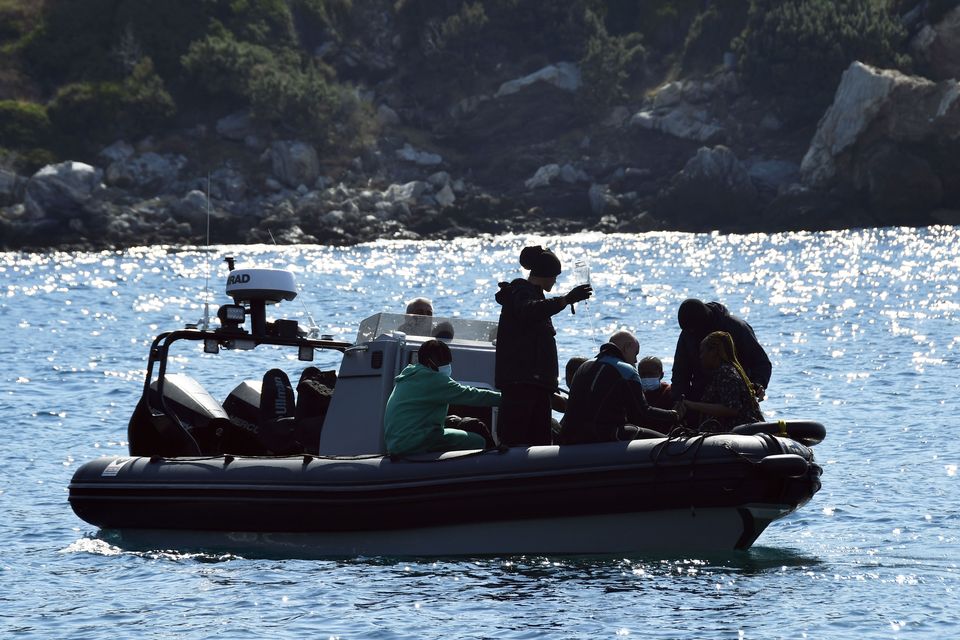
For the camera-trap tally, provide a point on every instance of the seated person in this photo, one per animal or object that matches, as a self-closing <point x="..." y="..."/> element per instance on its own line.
<point x="572" y="365"/>
<point x="655" y="390"/>
<point x="729" y="398"/>
<point x="606" y="399"/>
<point x="697" y="319"/>
<point x="422" y="323"/>
<point x="559" y="402"/>
<point x="419" y="307"/>
<point x="417" y="408"/>
<point x="443" y="330"/>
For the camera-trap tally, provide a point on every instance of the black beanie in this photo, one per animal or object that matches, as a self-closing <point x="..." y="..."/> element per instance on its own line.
<point x="541" y="262"/>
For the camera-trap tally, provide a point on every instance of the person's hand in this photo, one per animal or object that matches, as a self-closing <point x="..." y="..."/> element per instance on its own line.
<point x="579" y="293"/>
<point x="558" y="403"/>
<point x="759" y="392"/>
<point x="680" y="408"/>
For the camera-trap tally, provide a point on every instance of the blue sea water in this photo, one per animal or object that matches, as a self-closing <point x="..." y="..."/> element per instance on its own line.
<point x="863" y="328"/>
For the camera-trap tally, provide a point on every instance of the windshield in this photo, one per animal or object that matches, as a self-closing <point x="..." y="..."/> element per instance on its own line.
<point x="434" y="326"/>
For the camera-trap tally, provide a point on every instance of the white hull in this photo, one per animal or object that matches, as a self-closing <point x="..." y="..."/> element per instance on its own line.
<point x="677" y="530"/>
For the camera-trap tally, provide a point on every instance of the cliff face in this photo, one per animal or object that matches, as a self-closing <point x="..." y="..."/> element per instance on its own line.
<point x="436" y="124"/>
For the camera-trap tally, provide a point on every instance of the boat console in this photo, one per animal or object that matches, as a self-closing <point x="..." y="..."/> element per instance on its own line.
<point x="385" y="344"/>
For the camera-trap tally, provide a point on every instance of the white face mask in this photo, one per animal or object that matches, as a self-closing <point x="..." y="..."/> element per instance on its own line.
<point x="650" y="384"/>
<point x="446" y="369"/>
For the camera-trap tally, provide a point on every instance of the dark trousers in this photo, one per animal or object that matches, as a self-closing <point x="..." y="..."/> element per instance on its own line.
<point x="524" y="417"/>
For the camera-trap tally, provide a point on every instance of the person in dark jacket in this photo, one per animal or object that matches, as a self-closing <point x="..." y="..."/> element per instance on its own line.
<point x="697" y="319"/>
<point x="527" y="367"/>
<point x="606" y="399"/>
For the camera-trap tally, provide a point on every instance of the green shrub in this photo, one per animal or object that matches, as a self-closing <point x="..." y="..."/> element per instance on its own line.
<point x="609" y="66"/>
<point x="711" y="35"/>
<point x="72" y="41"/>
<point x="304" y="104"/>
<point x="223" y="65"/>
<point x="557" y="29"/>
<point x="84" y="111"/>
<point x="662" y="23"/>
<point x="17" y="18"/>
<point x="23" y="124"/>
<point x="146" y="102"/>
<point x="320" y="14"/>
<point x="91" y="40"/>
<point x="162" y="31"/>
<point x="462" y="33"/>
<point x="797" y="49"/>
<point x="26" y="162"/>
<point x="96" y="112"/>
<point x="263" y="22"/>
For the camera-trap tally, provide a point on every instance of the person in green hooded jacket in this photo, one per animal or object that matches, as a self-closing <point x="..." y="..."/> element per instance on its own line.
<point x="417" y="408"/>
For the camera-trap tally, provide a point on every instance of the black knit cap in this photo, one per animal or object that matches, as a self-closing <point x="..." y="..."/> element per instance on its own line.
<point x="541" y="262"/>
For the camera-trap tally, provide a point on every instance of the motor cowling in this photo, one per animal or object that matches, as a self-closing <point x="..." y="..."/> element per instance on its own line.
<point x="269" y="286"/>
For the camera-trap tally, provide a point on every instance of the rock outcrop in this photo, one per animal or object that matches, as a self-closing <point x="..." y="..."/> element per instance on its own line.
<point x="937" y="46"/>
<point x="685" y="108"/>
<point x="563" y="75"/>
<point x="892" y="138"/>
<point x="58" y="191"/>
<point x="294" y="163"/>
<point x="713" y="191"/>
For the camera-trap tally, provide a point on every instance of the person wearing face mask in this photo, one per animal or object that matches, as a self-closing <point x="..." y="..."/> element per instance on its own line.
<point x="527" y="367"/>
<point x="416" y="413"/>
<point x="606" y="399"/>
<point x="655" y="390"/>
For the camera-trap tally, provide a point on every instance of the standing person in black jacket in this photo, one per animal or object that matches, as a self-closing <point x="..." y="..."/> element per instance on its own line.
<point x="527" y="367"/>
<point x="607" y="401"/>
<point x="698" y="319"/>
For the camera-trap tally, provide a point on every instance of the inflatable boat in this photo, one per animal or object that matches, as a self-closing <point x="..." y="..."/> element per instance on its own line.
<point x="304" y="468"/>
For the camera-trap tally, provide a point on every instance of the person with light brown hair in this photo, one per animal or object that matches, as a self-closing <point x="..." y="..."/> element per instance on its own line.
<point x="729" y="398"/>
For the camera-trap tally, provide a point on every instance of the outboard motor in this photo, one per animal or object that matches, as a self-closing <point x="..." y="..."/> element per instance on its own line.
<point x="199" y="413"/>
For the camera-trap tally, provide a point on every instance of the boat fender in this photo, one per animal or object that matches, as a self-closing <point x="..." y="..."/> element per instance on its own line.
<point x="805" y="432"/>
<point x="786" y="465"/>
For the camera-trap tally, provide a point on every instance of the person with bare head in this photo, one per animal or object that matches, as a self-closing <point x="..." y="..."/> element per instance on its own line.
<point x="606" y="398"/>
<point x="628" y="344"/>
<point x="571" y="369"/>
<point x="420" y="318"/>
<point x="420" y="307"/>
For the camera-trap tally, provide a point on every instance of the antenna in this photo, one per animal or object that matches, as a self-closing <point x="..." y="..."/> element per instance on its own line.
<point x="314" y="329"/>
<point x="205" y="321"/>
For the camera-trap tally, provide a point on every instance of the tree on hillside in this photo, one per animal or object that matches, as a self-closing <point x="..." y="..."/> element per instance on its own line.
<point x="796" y="50"/>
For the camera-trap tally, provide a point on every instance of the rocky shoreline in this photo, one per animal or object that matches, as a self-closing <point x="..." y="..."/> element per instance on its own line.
<point x="696" y="155"/>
